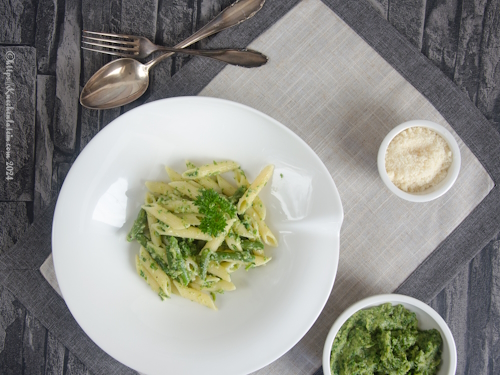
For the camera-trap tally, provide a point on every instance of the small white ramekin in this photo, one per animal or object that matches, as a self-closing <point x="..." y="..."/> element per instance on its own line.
<point x="435" y="191"/>
<point x="427" y="318"/>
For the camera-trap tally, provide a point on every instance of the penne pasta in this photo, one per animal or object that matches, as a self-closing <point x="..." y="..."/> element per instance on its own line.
<point x="214" y="243"/>
<point x="165" y="216"/>
<point x="155" y="271"/>
<point x="191" y="219"/>
<point x="210" y="169"/>
<point x="142" y="271"/>
<point x="219" y="286"/>
<point x="195" y="295"/>
<point x="233" y="241"/>
<point x="231" y="266"/>
<point x="159" y="187"/>
<point x="264" y="231"/>
<point x="198" y="229"/>
<point x="155" y="236"/>
<point x="247" y="231"/>
<point x="208" y="183"/>
<point x="261" y="260"/>
<point x="188" y="188"/>
<point x="173" y="175"/>
<point x="225" y="186"/>
<point x="191" y="232"/>
<point x="255" y="187"/>
<point x="240" y="178"/>
<point x="219" y="271"/>
<point x="179" y="206"/>
<point x="259" y="207"/>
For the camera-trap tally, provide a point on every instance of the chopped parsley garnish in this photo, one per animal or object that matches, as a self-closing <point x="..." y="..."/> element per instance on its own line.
<point x="216" y="210"/>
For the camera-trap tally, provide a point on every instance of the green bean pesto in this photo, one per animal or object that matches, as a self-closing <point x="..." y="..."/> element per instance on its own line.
<point x="385" y="340"/>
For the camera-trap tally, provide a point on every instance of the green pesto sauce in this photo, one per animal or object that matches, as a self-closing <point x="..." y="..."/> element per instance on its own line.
<point x="385" y="340"/>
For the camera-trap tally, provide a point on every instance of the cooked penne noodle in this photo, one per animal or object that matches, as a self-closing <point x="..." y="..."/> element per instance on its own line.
<point x="219" y="271"/>
<point x="242" y="231"/>
<point x="187" y="188"/>
<point x="195" y="295"/>
<point x="208" y="183"/>
<point x="179" y="206"/>
<point x="209" y="280"/>
<point x="254" y="189"/>
<point x="165" y="216"/>
<point x="143" y="272"/>
<point x="231" y="266"/>
<point x="190" y="165"/>
<point x="191" y="232"/>
<point x="155" y="271"/>
<point x="221" y="285"/>
<point x="192" y="266"/>
<point x="150" y="198"/>
<point x="259" y="207"/>
<point x="261" y="260"/>
<point x="214" y="243"/>
<point x="226" y="188"/>
<point x="159" y="187"/>
<point x="233" y="241"/>
<point x="210" y="169"/>
<point x="173" y="175"/>
<point x="155" y="237"/>
<point x="265" y="233"/>
<point x="191" y="219"/>
<point x="240" y="178"/>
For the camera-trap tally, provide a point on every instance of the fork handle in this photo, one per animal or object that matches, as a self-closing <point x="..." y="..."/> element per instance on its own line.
<point x="233" y="15"/>
<point x="241" y="57"/>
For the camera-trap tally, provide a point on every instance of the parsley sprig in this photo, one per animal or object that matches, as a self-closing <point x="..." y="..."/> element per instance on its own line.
<point x="216" y="210"/>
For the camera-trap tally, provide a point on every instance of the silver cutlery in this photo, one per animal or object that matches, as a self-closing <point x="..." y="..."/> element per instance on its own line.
<point x="124" y="80"/>
<point x="140" y="47"/>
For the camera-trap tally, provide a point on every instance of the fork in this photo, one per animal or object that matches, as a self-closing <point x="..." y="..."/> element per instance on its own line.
<point x="139" y="47"/>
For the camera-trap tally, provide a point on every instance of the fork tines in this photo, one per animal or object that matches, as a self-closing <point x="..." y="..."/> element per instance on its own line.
<point x="112" y="44"/>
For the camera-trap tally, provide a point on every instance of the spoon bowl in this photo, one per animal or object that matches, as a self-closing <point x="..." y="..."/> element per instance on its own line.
<point x="115" y="84"/>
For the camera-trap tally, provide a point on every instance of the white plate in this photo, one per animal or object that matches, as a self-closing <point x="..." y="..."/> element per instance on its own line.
<point x="273" y="306"/>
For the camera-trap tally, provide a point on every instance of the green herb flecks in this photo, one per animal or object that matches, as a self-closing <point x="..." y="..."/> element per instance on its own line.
<point x="216" y="210"/>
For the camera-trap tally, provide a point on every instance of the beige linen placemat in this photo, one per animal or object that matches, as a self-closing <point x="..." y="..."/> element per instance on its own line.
<point x="331" y="88"/>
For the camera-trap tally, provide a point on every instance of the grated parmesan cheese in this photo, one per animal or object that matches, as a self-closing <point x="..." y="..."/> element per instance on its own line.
<point x="417" y="158"/>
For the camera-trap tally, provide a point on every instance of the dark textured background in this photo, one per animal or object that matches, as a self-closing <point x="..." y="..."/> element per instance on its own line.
<point x="461" y="37"/>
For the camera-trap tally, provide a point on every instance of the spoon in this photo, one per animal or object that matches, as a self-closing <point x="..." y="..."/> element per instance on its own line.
<point x="124" y="80"/>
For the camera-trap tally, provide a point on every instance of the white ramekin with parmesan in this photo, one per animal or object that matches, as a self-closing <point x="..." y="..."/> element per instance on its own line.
<point x="419" y="160"/>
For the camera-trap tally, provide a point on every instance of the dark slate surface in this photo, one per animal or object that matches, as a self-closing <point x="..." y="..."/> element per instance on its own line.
<point x="17" y="25"/>
<point x="68" y="67"/>
<point x="46" y="36"/>
<point x="46" y="90"/>
<point x="461" y="37"/>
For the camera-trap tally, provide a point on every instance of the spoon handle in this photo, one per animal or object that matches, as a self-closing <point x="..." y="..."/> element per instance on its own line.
<point x="241" y="57"/>
<point x="233" y="15"/>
